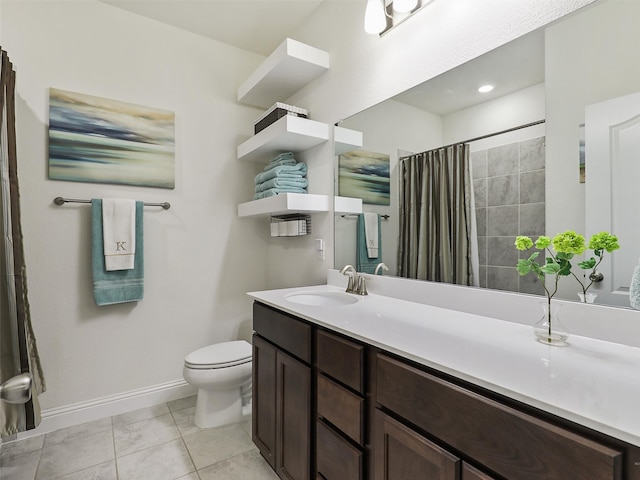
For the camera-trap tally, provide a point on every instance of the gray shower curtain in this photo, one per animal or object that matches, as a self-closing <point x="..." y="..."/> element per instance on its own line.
<point x="18" y="352"/>
<point x="435" y="216"/>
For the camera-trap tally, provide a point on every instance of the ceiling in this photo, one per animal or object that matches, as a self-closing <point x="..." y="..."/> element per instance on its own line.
<point x="258" y="26"/>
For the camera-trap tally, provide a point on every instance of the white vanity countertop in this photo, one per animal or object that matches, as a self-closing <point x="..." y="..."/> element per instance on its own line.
<point x="591" y="382"/>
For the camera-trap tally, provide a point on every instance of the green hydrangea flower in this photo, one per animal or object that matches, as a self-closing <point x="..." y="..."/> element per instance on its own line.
<point x="569" y="242"/>
<point x="543" y="242"/>
<point x="523" y="242"/>
<point x="566" y="245"/>
<point x="604" y="241"/>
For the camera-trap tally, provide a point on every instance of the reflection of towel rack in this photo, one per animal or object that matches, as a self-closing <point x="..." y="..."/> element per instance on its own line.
<point x="62" y="201"/>
<point x="355" y="215"/>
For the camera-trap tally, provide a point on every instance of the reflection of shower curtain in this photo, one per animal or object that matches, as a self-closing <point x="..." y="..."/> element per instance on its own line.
<point x="18" y="353"/>
<point x="435" y="216"/>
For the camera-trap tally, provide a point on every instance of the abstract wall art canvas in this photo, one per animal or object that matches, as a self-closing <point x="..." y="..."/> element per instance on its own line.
<point x="93" y="139"/>
<point x="365" y="175"/>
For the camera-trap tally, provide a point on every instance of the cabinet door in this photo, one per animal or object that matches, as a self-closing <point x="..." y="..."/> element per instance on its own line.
<point x="402" y="454"/>
<point x="293" y="427"/>
<point x="471" y="473"/>
<point x="264" y="399"/>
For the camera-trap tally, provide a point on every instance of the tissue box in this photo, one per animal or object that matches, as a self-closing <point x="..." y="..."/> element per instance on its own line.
<point x="276" y="112"/>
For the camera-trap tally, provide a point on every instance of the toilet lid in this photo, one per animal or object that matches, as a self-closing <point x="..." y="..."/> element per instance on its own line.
<point x="220" y="355"/>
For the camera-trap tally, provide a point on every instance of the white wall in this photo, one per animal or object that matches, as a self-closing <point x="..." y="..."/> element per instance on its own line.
<point x="200" y="259"/>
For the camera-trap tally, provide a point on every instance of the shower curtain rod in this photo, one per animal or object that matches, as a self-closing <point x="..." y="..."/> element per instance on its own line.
<point x="489" y="135"/>
<point x="62" y="201"/>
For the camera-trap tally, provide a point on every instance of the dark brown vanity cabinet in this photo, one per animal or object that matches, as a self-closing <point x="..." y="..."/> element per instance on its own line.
<point x="506" y="441"/>
<point x="282" y="392"/>
<point x="327" y="407"/>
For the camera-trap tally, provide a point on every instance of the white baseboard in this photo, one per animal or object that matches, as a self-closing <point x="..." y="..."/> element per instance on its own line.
<point x="77" y="413"/>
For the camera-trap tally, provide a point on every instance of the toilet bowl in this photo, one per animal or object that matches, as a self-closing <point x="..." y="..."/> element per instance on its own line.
<point x="220" y="372"/>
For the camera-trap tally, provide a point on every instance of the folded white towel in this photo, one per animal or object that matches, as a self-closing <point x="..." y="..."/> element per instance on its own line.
<point x="371" y="233"/>
<point x="119" y="233"/>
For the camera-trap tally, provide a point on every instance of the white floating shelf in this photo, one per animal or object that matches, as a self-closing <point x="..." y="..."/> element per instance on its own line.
<point x="289" y="68"/>
<point x="285" y="203"/>
<point x="345" y="140"/>
<point x="347" y="205"/>
<point x="288" y="134"/>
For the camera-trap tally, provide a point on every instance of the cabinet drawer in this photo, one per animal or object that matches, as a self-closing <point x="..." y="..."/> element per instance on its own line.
<point x="341" y="408"/>
<point x="336" y="458"/>
<point x="287" y="332"/>
<point x="507" y="441"/>
<point x="341" y="359"/>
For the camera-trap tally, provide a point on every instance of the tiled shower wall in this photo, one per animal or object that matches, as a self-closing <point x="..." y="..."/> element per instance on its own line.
<point x="509" y="194"/>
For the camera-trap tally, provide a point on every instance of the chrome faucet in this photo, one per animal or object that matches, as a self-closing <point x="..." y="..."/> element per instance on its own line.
<point x="381" y="266"/>
<point x="349" y="271"/>
<point x="357" y="283"/>
<point x="362" y="286"/>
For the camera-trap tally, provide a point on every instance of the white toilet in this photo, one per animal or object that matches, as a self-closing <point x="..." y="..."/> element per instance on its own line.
<point x="220" y="372"/>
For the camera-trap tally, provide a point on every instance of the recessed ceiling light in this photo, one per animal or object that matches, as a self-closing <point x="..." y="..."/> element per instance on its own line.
<point x="485" y="88"/>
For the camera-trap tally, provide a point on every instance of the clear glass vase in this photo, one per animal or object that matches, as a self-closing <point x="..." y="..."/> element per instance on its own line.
<point x="588" y="297"/>
<point x="549" y="329"/>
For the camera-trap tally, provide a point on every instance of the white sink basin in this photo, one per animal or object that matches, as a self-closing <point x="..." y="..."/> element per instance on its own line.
<point x="322" y="299"/>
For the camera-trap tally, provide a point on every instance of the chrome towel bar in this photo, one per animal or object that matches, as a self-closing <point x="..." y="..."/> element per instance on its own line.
<point x="62" y="201"/>
<point x="355" y="215"/>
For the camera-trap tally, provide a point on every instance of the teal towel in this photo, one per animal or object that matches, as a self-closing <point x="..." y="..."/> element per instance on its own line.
<point x="363" y="262"/>
<point x="276" y="191"/>
<point x="284" y="161"/>
<point x="282" y="156"/>
<point x="299" y="169"/>
<point x="117" y="286"/>
<point x="299" y="182"/>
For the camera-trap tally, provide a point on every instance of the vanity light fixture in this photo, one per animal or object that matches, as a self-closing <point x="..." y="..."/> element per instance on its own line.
<point x="404" y="6"/>
<point x="485" y="88"/>
<point x="380" y="16"/>
<point x="375" y="17"/>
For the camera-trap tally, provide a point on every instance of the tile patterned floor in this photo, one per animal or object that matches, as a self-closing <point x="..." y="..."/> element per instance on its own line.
<point x="155" y="443"/>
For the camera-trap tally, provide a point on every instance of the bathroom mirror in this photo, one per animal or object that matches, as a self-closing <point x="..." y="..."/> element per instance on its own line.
<point x="552" y="74"/>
